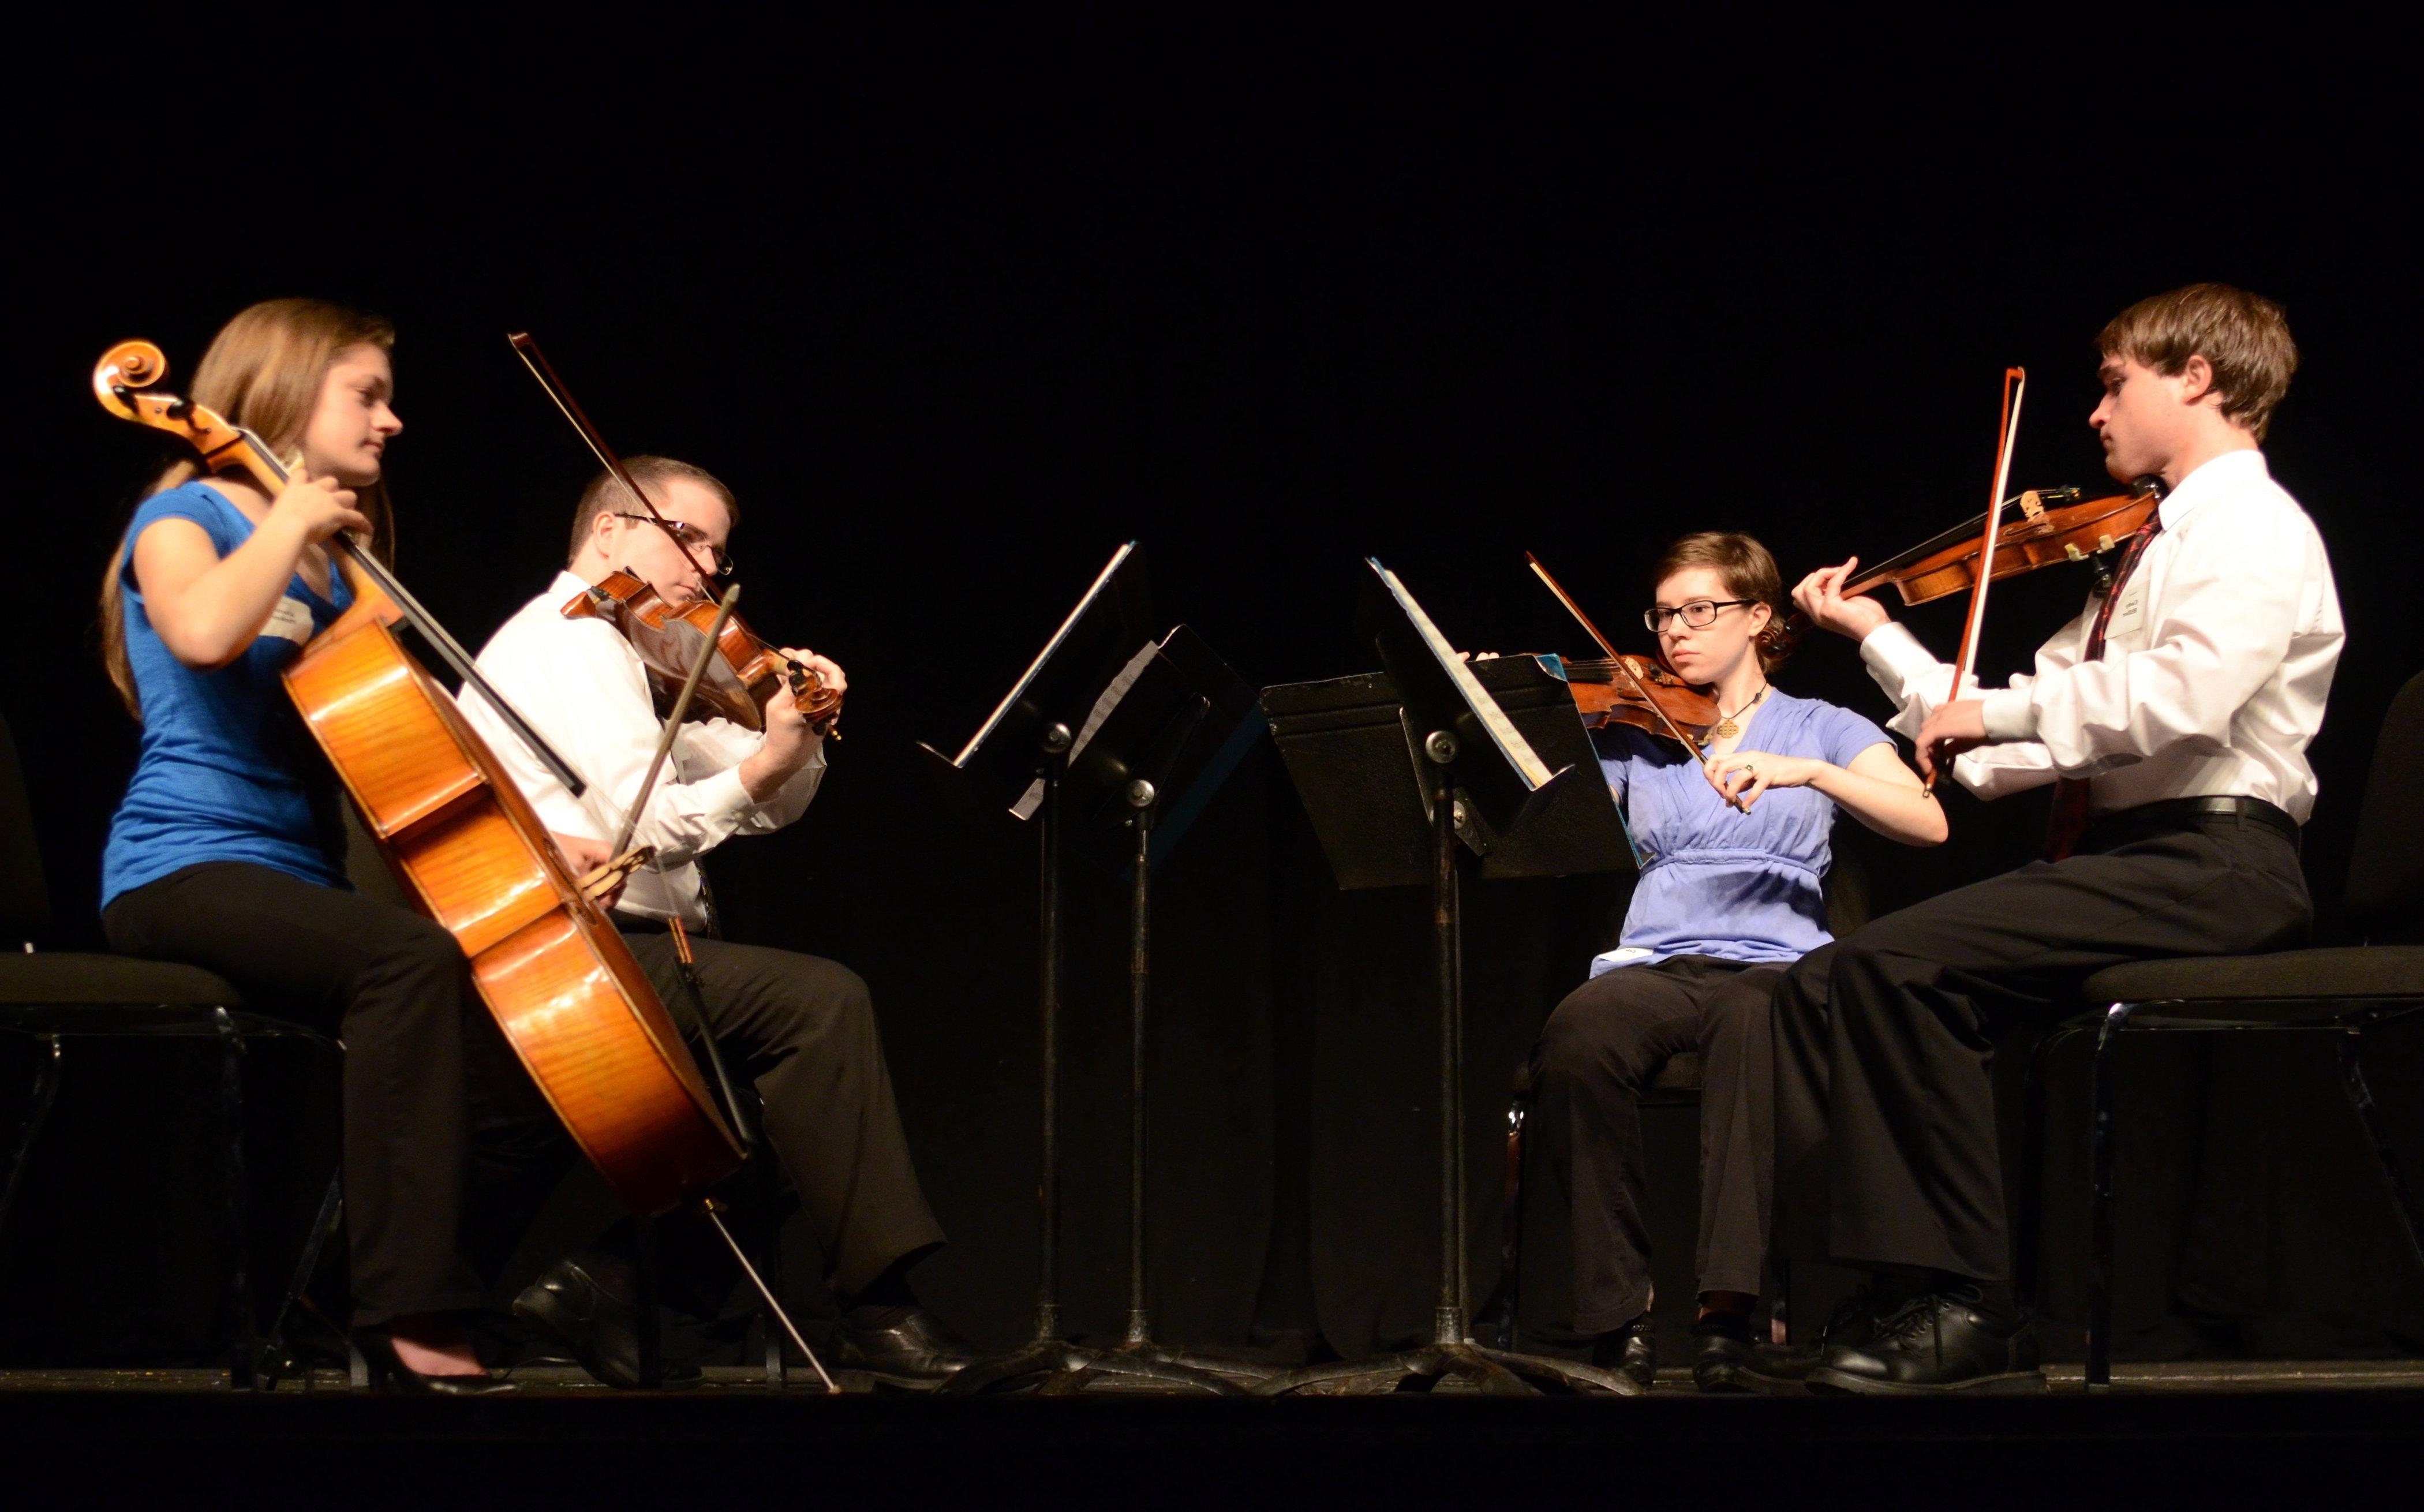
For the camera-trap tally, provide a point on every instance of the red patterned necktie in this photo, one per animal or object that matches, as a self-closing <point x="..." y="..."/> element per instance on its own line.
<point x="2070" y="793"/>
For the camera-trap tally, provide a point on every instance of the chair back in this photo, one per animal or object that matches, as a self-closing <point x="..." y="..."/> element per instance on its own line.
<point x="2385" y="885"/>
<point x="25" y="892"/>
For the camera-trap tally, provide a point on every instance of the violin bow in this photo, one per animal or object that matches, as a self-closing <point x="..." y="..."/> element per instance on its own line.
<point x="544" y="371"/>
<point x="1613" y="657"/>
<point x="1965" y="665"/>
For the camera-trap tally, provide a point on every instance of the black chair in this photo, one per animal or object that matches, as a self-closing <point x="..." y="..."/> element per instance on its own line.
<point x="1676" y="1085"/>
<point x="55" y="996"/>
<point x="2347" y="990"/>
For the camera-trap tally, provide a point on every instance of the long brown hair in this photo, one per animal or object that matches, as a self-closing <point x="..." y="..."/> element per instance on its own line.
<point x="263" y="371"/>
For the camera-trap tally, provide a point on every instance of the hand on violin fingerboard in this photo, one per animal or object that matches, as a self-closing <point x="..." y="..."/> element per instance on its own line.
<point x="827" y="670"/>
<point x="1819" y="595"/>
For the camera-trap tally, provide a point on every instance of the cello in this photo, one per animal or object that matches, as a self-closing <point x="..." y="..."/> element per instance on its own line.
<point x="469" y="850"/>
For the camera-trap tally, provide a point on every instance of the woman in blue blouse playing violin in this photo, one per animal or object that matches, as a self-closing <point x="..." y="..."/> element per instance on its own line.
<point x="1734" y="845"/>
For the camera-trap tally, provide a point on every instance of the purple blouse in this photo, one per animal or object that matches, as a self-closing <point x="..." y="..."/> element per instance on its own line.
<point x="1719" y="883"/>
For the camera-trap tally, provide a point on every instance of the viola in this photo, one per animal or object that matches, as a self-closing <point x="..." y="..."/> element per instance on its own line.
<point x="469" y="850"/>
<point x="2041" y="528"/>
<point x="741" y="679"/>
<point x="745" y="673"/>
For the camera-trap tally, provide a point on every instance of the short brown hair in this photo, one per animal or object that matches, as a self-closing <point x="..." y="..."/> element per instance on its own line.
<point x="606" y="495"/>
<point x="2244" y="337"/>
<point x="1746" y="567"/>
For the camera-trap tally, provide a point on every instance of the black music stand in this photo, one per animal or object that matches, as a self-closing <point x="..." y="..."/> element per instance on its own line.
<point x="1478" y="781"/>
<point x="1117" y="736"/>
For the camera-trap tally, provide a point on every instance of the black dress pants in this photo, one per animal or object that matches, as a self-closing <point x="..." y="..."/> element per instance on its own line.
<point x="801" y="1028"/>
<point x="1600" y="1049"/>
<point x="1886" y="1146"/>
<point x="438" y="1125"/>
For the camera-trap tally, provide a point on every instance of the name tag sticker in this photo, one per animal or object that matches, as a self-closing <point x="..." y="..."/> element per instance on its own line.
<point x="2129" y="615"/>
<point x="291" y="620"/>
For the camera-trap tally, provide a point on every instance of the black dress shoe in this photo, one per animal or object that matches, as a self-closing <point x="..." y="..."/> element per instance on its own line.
<point x="900" y="1345"/>
<point x="391" y="1375"/>
<point x="585" y="1302"/>
<point x="1854" y="1322"/>
<point x="1630" y="1350"/>
<point x="1935" y="1344"/>
<point x="1724" y="1358"/>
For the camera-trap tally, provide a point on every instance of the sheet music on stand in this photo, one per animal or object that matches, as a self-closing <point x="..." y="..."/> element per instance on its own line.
<point x="1092" y="648"/>
<point x="1112" y="746"/>
<point x="1354" y="751"/>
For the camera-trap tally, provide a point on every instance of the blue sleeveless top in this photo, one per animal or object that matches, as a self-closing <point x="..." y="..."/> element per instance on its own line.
<point x="226" y="772"/>
<point x="1720" y="882"/>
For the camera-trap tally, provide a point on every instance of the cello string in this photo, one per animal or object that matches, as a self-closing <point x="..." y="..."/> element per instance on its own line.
<point x="267" y="467"/>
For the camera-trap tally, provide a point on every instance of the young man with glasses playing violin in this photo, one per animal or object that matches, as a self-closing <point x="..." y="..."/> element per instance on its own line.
<point x="2174" y="713"/>
<point x="797" y="1028"/>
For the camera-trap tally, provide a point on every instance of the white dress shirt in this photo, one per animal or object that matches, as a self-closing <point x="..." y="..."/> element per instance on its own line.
<point x="2216" y="663"/>
<point x="584" y="689"/>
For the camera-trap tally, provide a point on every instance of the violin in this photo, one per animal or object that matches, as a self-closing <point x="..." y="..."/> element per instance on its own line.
<point x="1633" y="689"/>
<point x="741" y="679"/>
<point x="2040" y="528"/>
<point x="745" y="673"/>
<point x="1640" y="692"/>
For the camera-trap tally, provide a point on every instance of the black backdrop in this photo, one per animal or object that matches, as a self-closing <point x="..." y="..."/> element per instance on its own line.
<point x="958" y="307"/>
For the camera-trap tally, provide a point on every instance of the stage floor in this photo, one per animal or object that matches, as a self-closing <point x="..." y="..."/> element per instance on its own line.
<point x="2191" y="1378"/>
<point x="2327" y="1432"/>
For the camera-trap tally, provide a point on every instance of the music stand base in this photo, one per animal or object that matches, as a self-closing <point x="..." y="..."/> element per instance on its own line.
<point x="1054" y="1367"/>
<point x="1452" y="1367"/>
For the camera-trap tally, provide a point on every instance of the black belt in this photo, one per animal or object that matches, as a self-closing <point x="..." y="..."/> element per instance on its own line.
<point x="2185" y="814"/>
<point x="643" y="923"/>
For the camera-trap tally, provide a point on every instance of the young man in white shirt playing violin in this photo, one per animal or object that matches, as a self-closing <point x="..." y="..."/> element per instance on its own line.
<point x="800" y="1028"/>
<point x="2176" y="720"/>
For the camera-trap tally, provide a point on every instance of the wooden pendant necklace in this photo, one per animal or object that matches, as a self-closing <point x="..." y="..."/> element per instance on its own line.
<point x="1727" y="730"/>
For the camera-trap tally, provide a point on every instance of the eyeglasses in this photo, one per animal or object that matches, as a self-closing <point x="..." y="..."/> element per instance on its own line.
<point x="1697" y="614"/>
<point x="692" y="541"/>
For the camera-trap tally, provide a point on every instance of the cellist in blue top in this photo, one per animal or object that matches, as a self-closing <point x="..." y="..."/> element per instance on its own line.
<point x="1734" y="850"/>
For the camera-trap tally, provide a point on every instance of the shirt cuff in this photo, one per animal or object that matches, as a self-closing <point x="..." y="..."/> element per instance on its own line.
<point x="2009" y="716"/>
<point x="722" y="796"/>
<point x="1891" y="649"/>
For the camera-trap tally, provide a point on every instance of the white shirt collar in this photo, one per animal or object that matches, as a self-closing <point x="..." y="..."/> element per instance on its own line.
<point x="2234" y="469"/>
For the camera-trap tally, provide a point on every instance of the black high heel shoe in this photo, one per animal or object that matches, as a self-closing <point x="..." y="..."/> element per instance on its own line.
<point x="391" y="1375"/>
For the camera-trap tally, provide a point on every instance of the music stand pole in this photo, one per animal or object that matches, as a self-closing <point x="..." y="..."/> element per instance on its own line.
<point x="1055" y="765"/>
<point x="1439" y="696"/>
<point x="1140" y="795"/>
<point x="1052" y="1365"/>
<point x="1447" y="1321"/>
